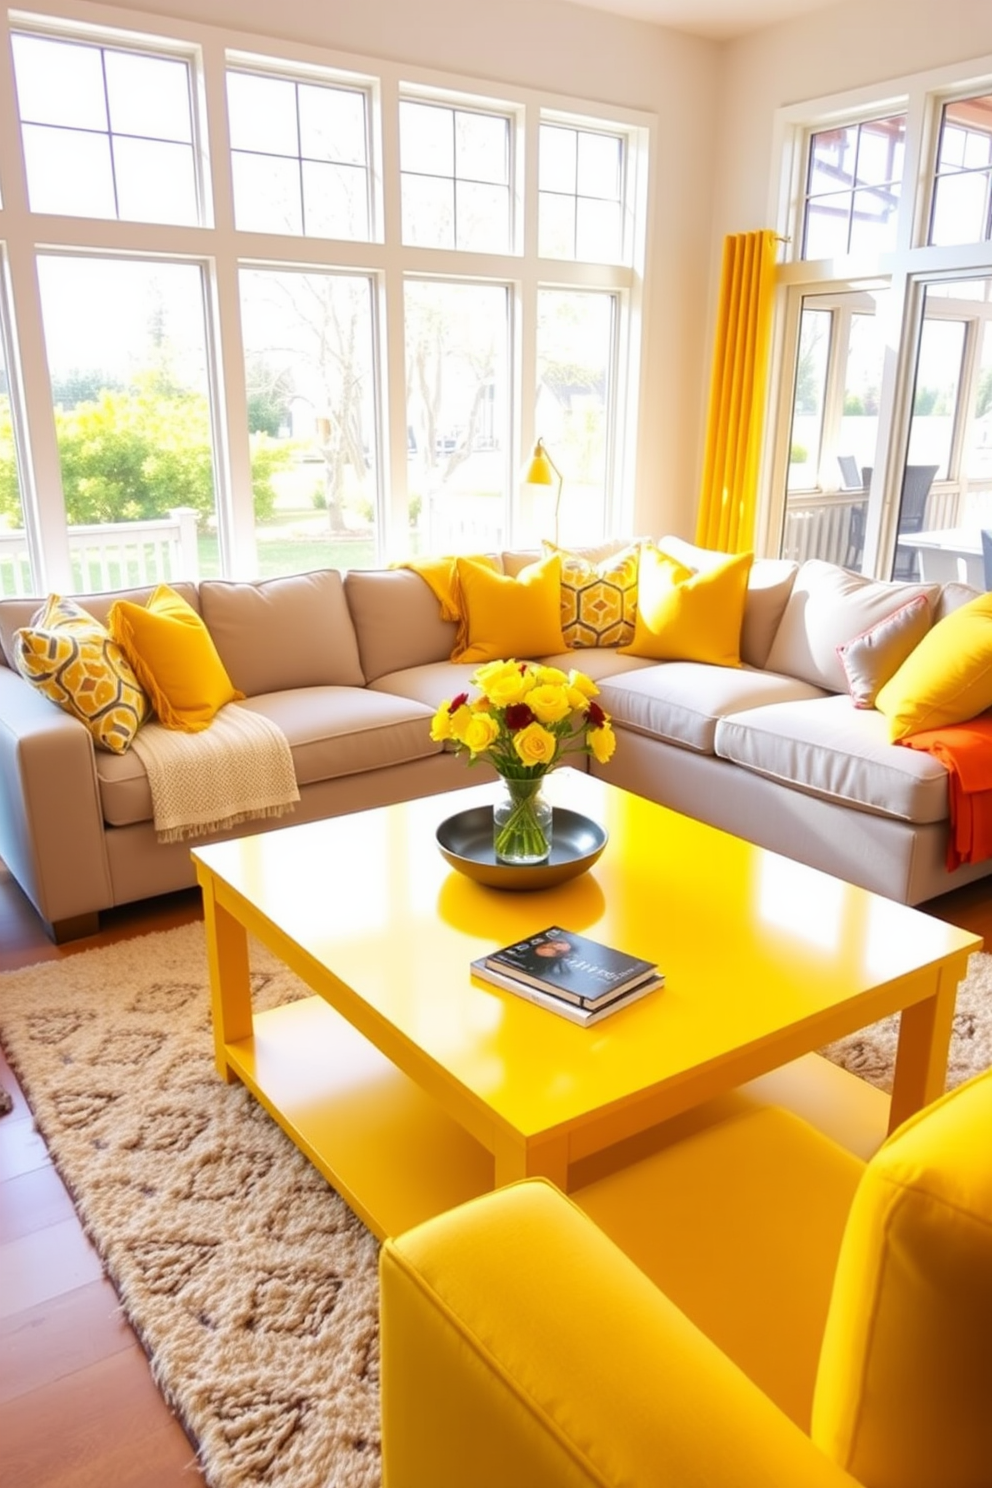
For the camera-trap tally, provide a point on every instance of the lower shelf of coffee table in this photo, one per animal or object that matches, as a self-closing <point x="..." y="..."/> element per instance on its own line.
<point x="382" y="1142"/>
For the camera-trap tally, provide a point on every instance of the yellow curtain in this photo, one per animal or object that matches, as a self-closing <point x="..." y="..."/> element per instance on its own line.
<point x="738" y="391"/>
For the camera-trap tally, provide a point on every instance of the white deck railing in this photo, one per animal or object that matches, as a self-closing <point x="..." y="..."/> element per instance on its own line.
<point x="113" y="556"/>
<point x="820" y="526"/>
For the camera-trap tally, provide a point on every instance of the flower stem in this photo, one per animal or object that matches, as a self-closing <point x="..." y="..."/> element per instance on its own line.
<point x="519" y="833"/>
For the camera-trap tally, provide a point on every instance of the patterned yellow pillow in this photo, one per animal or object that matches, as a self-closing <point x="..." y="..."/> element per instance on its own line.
<point x="71" y="658"/>
<point x="598" y="599"/>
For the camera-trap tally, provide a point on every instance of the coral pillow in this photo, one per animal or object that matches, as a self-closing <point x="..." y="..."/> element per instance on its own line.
<point x="948" y="678"/>
<point x="174" y="658"/>
<point x="70" y="657"/>
<point x="505" y="617"/>
<point x="684" y="615"/>
<point x="598" y="599"/>
<point x="872" y="657"/>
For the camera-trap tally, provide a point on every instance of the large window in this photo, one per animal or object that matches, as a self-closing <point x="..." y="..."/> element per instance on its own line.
<point x="106" y="132"/>
<point x="125" y="341"/>
<point x="455" y="171"/>
<point x="581" y="198"/>
<point x="299" y="156"/>
<point x="881" y="438"/>
<point x="270" y="311"/>
<point x="854" y="187"/>
<point x="962" y="195"/>
<point x="457" y="342"/>
<point x="15" y="567"/>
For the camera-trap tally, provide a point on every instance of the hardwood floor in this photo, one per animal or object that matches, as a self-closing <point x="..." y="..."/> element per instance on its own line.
<point x="78" y="1407"/>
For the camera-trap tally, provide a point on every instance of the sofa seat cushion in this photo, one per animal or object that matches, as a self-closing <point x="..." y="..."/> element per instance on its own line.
<point x="828" y="749"/>
<point x="432" y="684"/>
<point x="332" y="732"/>
<point x="681" y="702"/>
<point x="435" y="683"/>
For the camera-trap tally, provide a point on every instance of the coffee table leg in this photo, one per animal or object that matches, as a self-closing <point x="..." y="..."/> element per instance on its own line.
<point x="517" y="1159"/>
<point x="230" y="985"/>
<point x="921" y="1058"/>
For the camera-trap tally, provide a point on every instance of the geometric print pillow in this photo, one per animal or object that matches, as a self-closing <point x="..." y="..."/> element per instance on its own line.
<point x="598" y="600"/>
<point x="71" y="658"/>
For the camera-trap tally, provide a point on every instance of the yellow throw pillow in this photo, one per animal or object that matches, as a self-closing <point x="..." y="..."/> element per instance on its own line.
<point x="902" y="1390"/>
<point x="70" y="657"/>
<point x="684" y="615"/>
<point x="948" y="678"/>
<point x="507" y="617"/>
<point x="175" y="658"/>
<point x="598" y="600"/>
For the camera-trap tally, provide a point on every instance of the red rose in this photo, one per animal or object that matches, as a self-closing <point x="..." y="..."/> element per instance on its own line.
<point x="595" y="715"/>
<point x="518" y="716"/>
<point x="458" y="702"/>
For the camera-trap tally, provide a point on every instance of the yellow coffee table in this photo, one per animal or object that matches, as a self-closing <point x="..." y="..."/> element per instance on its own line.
<point x="413" y="1087"/>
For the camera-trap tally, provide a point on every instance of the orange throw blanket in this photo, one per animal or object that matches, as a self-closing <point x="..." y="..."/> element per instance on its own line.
<point x="965" y="751"/>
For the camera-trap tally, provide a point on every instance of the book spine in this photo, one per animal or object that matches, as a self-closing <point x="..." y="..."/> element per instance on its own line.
<point x="585" y="1018"/>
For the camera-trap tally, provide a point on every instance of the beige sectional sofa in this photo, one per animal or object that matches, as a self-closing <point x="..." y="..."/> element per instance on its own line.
<point x="351" y="667"/>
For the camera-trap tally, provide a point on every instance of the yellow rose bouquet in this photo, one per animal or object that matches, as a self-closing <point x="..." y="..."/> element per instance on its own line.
<point x="525" y="719"/>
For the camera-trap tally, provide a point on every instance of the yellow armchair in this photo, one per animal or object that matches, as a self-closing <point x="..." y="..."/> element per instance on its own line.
<point x="747" y="1305"/>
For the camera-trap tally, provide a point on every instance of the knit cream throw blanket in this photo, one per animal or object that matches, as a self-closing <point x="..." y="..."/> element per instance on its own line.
<point x="237" y="769"/>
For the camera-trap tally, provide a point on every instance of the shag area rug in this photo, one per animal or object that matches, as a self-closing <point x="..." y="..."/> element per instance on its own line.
<point x="250" y="1283"/>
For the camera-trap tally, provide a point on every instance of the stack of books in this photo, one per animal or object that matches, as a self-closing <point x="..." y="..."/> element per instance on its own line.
<point x="576" y="977"/>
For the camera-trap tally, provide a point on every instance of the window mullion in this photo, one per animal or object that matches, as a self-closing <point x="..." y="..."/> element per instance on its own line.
<point x="390" y="338"/>
<point x="226" y="366"/>
<point x="41" y="475"/>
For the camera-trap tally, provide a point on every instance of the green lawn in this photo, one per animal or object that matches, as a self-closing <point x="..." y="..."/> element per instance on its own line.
<point x="282" y="555"/>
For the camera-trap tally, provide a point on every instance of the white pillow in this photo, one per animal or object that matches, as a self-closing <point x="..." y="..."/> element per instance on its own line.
<point x="828" y="607"/>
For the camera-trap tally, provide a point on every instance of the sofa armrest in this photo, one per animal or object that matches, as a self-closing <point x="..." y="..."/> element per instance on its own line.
<point x="520" y="1345"/>
<point x="51" y="825"/>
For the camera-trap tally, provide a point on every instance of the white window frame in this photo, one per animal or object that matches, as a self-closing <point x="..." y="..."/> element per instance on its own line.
<point x="222" y="250"/>
<point x="906" y="270"/>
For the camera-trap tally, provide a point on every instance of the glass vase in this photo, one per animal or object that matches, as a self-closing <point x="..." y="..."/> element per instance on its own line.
<point x="522" y="821"/>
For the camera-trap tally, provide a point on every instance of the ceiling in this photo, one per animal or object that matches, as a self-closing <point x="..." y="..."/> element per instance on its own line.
<point x="720" y="20"/>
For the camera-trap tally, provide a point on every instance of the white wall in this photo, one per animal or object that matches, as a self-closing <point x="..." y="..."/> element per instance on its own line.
<point x="584" y="54"/>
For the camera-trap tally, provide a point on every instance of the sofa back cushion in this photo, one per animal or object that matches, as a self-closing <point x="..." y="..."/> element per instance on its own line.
<point x="397" y="621"/>
<point x="278" y="634"/>
<point x="17" y="613"/>
<point x="903" y="1386"/>
<point x="828" y="607"/>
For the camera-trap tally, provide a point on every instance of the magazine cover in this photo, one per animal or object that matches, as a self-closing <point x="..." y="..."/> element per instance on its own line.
<point x="571" y="966"/>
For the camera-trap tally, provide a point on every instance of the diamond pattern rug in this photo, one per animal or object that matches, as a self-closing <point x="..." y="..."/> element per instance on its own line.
<point x="251" y="1284"/>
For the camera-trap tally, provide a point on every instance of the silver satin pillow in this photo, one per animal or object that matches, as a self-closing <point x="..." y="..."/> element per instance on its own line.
<point x="870" y="659"/>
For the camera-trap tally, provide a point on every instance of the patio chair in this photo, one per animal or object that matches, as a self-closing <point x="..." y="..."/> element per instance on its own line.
<point x="854" y="481"/>
<point x="916" y="484"/>
<point x="849" y="472"/>
<point x="987" y="556"/>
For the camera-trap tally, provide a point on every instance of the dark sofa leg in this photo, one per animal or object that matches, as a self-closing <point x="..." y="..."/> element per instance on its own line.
<point x="73" y="928"/>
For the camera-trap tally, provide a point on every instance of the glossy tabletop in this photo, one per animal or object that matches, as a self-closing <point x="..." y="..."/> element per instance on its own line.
<point x="764" y="959"/>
